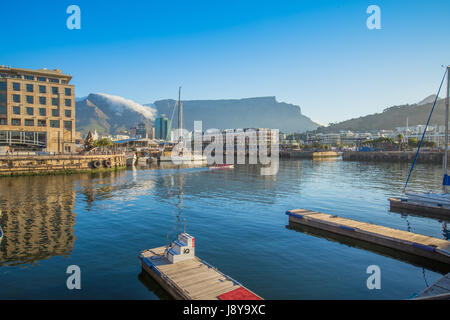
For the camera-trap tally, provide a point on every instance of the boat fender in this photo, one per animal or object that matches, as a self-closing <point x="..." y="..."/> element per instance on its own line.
<point x="96" y="164"/>
<point x="107" y="164"/>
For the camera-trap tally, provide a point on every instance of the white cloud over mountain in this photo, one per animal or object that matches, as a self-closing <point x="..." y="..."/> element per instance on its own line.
<point x="119" y="103"/>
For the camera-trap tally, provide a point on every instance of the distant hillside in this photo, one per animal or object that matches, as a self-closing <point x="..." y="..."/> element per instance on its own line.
<point x="393" y="117"/>
<point x="429" y="99"/>
<point x="263" y="112"/>
<point x="110" y="114"/>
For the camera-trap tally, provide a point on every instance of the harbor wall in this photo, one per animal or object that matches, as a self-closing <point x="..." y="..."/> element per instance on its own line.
<point x="53" y="164"/>
<point x="394" y="156"/>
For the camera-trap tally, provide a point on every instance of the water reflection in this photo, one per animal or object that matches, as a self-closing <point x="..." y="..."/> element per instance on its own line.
<point x="381" y="250"/>
<point x="37" y="218"/>
<point x="118" y="214"/>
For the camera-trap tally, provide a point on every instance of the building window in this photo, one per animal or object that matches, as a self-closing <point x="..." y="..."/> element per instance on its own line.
<point x="54" y="123"/>
<point x="43" y="100"/>
<point x="55" y="102"/>
<point x="55" y="113"/>
<point x="30" y="99"/>
<point x="2" y="109"/>
<point x="15" y="122"/>
<point x="68" y="125"/>
<point x="42" y="79"/>
<point x="53" y="80"/>
<point x="30" y="111"/>
<point x="16" y="97"/>
<point x="16" y="110"/>
<point x="42" y="89"/>
<point x="55" y="90"/>
<point x="29" y="77"/>
<point x="42" y="112"/>
<point x="3" y="121"/>
<point x="16" y="86"/>
<point x="68" y="113"/>
<point x="30" y="88"/>
<point x="41" y="123"/>
<point x="68" y="91"/>
<point x="2" y="97"/>
<point x="3" y="86"/>
<point x="29" y="122"/>
<point x="68" y="102"/>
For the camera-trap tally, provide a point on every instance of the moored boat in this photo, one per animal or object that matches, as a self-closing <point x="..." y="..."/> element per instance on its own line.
<point x="430" y="201"/>
<point x="222" y="166"/>
<point x="131" y="160"/>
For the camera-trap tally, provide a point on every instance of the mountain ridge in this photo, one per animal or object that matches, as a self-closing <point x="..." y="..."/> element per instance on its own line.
<point x="255" y="112"/>
<point x="393" y="117"/>
<point x="98" y="111"/>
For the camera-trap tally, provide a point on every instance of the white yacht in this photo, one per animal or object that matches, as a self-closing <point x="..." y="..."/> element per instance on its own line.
<point x="184" y="155"/>
<point x="429" y="199"/>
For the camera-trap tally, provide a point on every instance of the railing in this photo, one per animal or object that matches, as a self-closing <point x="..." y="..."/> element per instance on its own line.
<point x="23" y="141"/>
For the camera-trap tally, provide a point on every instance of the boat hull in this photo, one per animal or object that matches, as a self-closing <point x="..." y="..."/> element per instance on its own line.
<point x="433" y="200"/>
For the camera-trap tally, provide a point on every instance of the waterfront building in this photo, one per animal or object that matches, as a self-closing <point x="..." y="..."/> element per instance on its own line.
<point x="37" y="110"/>
<point x="133" y="131"/>
<point x="163" y="128"/>
<point x="141" y="130"/>
<point x="331" y="139"/>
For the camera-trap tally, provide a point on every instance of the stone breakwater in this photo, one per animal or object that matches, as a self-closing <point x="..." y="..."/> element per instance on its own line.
<point x="58" y="164"/>
<point x="394" y="156"/>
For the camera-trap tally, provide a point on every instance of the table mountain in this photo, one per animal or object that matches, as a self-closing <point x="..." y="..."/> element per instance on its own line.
<point x="262" y="112"/>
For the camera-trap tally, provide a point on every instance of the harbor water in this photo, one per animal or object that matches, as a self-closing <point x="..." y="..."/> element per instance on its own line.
<point x="100" y="222"/>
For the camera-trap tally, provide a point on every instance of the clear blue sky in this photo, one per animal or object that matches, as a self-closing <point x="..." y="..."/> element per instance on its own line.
<point x="317" y="54"/>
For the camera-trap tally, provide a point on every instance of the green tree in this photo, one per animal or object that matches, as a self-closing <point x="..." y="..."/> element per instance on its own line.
<point x="412" y="142"/>
<point x="104" y="143"/>
<point x="429" y="144"/>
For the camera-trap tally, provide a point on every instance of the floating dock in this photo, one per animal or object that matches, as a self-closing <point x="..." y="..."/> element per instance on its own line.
<point x="415" y="244"/>
<point x="440" y="290"/>
<point x="402" y="205"/>
<point x="186" y="277"/>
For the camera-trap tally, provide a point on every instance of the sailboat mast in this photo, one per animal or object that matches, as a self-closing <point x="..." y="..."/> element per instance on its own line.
<point x="446" y="126"/>
<point x="180" y="111"/>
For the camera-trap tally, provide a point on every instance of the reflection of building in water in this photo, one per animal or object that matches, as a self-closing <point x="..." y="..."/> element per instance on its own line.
<point x="38" y="219"/>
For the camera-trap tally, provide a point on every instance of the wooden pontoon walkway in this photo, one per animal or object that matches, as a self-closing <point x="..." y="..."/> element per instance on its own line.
<point x="192" y="279"/>
<point x="440" y="290"/>
<point x="415" y="244"/>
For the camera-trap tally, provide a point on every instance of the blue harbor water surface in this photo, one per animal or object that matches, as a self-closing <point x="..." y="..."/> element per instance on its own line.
<point x="101" y="222"/>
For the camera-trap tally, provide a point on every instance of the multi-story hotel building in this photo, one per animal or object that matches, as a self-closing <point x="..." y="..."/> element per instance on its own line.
<point x="37" y="110"/>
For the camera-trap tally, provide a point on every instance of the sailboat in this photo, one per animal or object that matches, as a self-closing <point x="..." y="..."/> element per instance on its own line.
<point x="185" y="155"/>
<point x="429" y="201"/>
